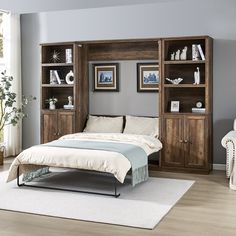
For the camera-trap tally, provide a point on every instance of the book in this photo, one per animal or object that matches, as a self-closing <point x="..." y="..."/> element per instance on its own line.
<point x="201" y="52"/>
<point x="57" y="76"/>
<point x="53" y="79"/>
<point x="195" y="52"/>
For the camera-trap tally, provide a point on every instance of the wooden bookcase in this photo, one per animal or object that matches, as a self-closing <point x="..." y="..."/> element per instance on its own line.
<point x="186" y="136"/>
<point x="58" y="122"/>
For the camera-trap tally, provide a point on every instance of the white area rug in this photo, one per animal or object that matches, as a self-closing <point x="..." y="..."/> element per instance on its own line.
<point x="142" y="206"/>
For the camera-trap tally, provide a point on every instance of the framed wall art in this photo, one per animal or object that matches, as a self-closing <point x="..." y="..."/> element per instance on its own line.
<point x="106" y="77"/>
<point x="174" y="106"/>
<point x="148" y="77"/>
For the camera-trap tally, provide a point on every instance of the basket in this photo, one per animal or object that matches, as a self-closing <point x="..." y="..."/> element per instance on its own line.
<point x="2" y="149"/>
<point x="1" y="157"/>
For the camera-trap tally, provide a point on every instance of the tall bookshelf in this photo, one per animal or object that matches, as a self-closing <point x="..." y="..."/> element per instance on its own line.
<point x="61" y="121"/>
<point x="187" y="133"/>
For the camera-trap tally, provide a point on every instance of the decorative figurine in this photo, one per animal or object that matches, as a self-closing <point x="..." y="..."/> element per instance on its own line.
<point x="177" y="54"/>
<point x="175" y="81"/>
<point x="197" y="76"/>
<point x="183" y="55"/>
<point x="55" y="56"/>
<point x="70" y="77"/>
<point x="172" y="56"/>
<point x="70" y="101"/>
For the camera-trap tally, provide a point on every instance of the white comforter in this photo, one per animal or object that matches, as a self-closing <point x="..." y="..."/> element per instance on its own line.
<point x="104" y="161"/>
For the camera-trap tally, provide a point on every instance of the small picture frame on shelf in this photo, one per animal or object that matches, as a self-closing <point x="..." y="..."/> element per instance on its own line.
<point x="106" y="77"/>
<point x="174" y="106"/>
<point x="148" y="77"/>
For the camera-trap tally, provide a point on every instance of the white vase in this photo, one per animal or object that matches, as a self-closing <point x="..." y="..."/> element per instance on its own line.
<point x="52" y="106"/>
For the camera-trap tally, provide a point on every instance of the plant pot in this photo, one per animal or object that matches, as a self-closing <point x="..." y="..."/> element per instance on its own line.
<point x="52" y="106"/>
<point x="1" y="157"/>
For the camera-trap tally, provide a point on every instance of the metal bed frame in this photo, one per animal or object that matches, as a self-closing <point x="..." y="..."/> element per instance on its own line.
<point x="23" y="184"/>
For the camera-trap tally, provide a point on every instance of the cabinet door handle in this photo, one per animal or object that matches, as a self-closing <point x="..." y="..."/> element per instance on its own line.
<point x="181" y="141"/>
<point x="58" y="134"/>
<point x="185" y="141"/>
<point x="55" y="134"/>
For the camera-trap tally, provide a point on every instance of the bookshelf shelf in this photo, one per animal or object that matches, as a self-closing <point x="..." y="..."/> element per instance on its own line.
<point x="184" y="62"/>
<point x="184" y="85"/>
<point x="56" y="64"/>
<point x="57" y="85"/>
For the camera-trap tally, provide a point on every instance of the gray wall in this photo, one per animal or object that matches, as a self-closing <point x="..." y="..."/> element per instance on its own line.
<point x="127" y="101"/>
<point x="29" y="6"/>
<point x="206" y="17"/>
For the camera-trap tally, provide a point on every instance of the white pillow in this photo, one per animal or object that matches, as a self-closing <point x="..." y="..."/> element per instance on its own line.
<point x="142" y="125"/>
<point x="103" y="124"/>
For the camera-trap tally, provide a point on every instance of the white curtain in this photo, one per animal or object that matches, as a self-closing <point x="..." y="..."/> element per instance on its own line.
<point x="12" y="57"/>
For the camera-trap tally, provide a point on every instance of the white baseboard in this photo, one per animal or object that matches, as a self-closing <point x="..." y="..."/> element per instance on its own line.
<point x="219" y="166"/>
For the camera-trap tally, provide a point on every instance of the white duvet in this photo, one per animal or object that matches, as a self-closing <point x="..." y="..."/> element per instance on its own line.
<point x="104" y="161"/>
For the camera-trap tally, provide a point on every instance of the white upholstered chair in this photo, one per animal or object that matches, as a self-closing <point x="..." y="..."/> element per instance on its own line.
<point x="229" y="143"/>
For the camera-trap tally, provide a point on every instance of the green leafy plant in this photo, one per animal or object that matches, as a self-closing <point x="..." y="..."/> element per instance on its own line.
<point x="53" y="100"/>
<point x="10" y="114"/>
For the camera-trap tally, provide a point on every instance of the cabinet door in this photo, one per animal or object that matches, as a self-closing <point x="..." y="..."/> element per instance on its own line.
<point x="49" y="126"/>
<point x="66" y="120"/>
<point x="173" y="141"/>
<point x="195" y="147"/>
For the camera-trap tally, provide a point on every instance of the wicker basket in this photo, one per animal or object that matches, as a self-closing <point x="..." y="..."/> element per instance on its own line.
<point x="1" y="157"/>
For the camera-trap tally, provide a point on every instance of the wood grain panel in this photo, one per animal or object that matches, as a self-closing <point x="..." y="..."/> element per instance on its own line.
<point x="195" y="147"/>
<point x="124" y="51"/>
<point x="49" y="126"/>
<point x="66" y="123"/>
<point x="173" y="141"/>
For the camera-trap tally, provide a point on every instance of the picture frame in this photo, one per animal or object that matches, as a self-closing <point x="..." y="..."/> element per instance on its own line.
<point x="174" y="106"/>
<point x="106" y="77"/>
<point x="148" y="77"/>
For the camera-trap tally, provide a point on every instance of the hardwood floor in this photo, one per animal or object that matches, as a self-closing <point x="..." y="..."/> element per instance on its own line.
<point x="208" y="208"/>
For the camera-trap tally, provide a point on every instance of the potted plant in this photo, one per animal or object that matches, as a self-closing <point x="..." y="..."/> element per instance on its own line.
<point x="10" y="114"/>
<point x="52" y="103"/>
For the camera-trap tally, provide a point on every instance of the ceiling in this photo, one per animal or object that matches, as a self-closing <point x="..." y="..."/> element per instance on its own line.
<point x="33" y="6"/>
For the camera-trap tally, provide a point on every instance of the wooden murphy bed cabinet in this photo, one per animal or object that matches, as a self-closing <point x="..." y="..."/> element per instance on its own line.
<point x="186" y="135"/>
<point x="58" y="122"/>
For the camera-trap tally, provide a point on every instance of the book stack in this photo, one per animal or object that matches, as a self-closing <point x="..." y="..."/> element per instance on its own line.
<point x="55" y="78"/>
<point x="197" y="52"/>
<point x="69" y="107"/>
<point x="198" y="110"/>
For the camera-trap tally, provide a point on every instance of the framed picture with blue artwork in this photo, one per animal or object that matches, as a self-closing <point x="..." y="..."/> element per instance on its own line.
<point x="106" y="77"/>
<point x="148" y="77"/>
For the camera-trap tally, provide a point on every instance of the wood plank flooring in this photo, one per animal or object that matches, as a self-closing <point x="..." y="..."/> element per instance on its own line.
<point x="208" y="208"/>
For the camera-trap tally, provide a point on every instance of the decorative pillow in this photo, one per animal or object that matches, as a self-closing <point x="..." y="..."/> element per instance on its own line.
<point x="142" y="125"/>
<point x="104" y="124"/>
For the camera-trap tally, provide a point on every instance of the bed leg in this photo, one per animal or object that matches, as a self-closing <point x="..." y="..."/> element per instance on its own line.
<point x="18" y="177"/>
<point x="116" y="195"/>
<point x="115" y="184"/>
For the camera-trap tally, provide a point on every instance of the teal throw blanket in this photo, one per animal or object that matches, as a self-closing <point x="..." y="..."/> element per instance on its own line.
<point x="136" y="155"/>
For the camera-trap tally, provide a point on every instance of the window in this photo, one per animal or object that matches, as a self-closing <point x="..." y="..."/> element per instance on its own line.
<point x="1" y="35"/>
<point x="2" y="63"/>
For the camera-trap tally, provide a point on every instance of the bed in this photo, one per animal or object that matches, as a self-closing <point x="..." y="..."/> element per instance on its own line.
<point x="113" y="153"/>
